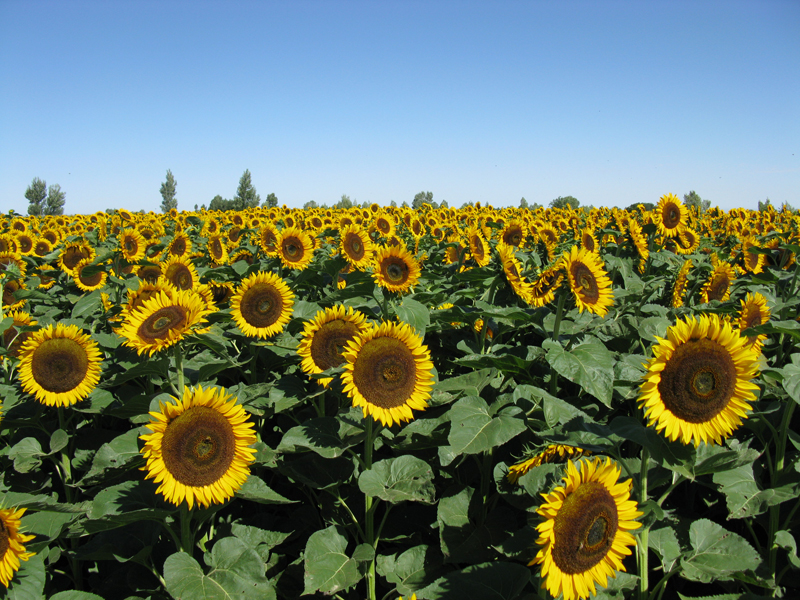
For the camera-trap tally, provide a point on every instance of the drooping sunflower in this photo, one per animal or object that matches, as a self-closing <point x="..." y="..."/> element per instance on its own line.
<point x="132" y="245"/>
<point x="585" y="534"/>
<point x="295" y="248"/>
<point x="688" y="241"/>
<point x="326" y="335"/>
<point x="718" y="286"/>
<point x="86" y="282"/>
<point x="553" y="453"/>
<point x="180" y="273"/>
<point x="12" y="550"/>
<point x="589" y="282"/>
<point x="513" y="272"/>
<point x="14" y="338"/>
<point x="698" y="384"/>
<point x="59" y="365"/>
<point x="262" y="305"/>
<point x="199" y="449"/>
<point x="679" y="289"/>
<point x="478" y="247"/>
<point x="388" y="371"/>
<point x="356" y="247"/>
<point x="754" y="312"/>
<point x="543" y="289"/>
<point x="671" y="215"/>
<point x="163" y="320"/>
<point x="396" y="269"/>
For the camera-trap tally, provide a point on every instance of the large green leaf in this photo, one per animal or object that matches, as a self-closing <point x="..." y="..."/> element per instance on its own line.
<point x="415" y="314"/>
<point x="27" y="455"/>
<point x="398" y="479"/>
<point x="28" y="583"/>
<point x="791" y="378"/>
<point x="589" y="364"/>
<point x="328" y="569"/>
<point x="115" y="454"/>
<point x="125" y="503"/>
<point x="743" y="495"/>
<point x="486" y="581"/>
<point x="255" y="490"/>
<point x="75" y="595"/>
<point x="323" y="435"/>
<point x="461" y="541"/>
<point x="474" y="428"/>
<point x="236" y="571"/>
<point x="716" y="553"/>
<point x="665" y="543"/>
<point x="413" y="569"/>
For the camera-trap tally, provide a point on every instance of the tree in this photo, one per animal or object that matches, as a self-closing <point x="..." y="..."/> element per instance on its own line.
<point x="309" y="204"/>
<point x="246" y="196"/>
<point x="36" y="193"/>
<point x="523" y="203"/>
<point x="787" y="208"/>
<point x="220" y="203"/>
<point x="54" y="205"/>
<point x="168" y="193"/>
<point x="444" y="204"/>
<point x="393" y="204"/>
<point x="271" y="201"/>
<point x="422" y="198"/>
<point x="693" y="199"/>
<point x="764" y="206"/>
<point x="345" y="202"/>
<point x="565" y="202"/>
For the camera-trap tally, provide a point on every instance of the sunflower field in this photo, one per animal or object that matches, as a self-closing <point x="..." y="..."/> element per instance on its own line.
<point x="384" y="403"/>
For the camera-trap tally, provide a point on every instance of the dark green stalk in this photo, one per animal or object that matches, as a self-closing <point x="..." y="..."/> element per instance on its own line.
<point x="777" y="472"/>
<point x="179" y="370"/>
<point x="369" y="442"/>
<point x="642" y="546"/>
<point x="556" y="328"/>
<point x="187" y="535"/>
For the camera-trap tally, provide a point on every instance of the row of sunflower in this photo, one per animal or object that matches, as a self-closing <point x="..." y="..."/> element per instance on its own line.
<point x="378" y="401"/>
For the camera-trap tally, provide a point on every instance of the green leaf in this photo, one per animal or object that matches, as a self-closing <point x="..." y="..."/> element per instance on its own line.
<point x="415" y="314"/>
<point x="26" y="455"/>
<point x="321" y="435"/>
<point x="716" y="553"/>
<point x="328" y="569"/>
<point x="48" y="524"/>
<point x="665" y="543"/>
<point x="743" y="495"/>
<point x="126" y="503"/>
<point x="74" y="595"/>
<point x="589" y="364"/>
<point x="254" y="537"/>
<point x="398" y="479"/>
<point x="255" y="490"/>
<point x="474" y="428"/>
<point x="469" y="384"/>
<point x="791" y="378"/>
<point x="28" y="583"/>
<point x="87" y="305"/>
<point x="115" y="454"/>
<point x="410" y="571"/>
<point x="486" y="581"/>
<point x="317" y="472"/>
<point x="236" y="571"/>
<point x="58" y="440"/>
<point x="661" y="450"/>
<point x="785" y="540"/>
<point x="651" y="327"/>
<point x="305" y="310"/>
<point x="460" y="540"/>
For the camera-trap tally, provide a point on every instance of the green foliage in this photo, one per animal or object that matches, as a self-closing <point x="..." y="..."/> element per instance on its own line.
<point x="693" y="200"/>
<point x="43" y="200"/>
<point x="168" y="201"/>
<point x="563" y="202"/>
<point x="422" y="198"/>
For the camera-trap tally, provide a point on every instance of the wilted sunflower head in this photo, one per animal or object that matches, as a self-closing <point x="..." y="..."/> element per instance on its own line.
<point x="671" y="215"/>
<point x="163" y="320"/>
<point x="584" y="535"/>
<point x="698" y="384"/>
<point x="356" y="247"/>
<point x="295" y="248"/>
<point x="262" y="305"/>
<point x="59" y="365"/>
<point x="325" y="337"/>
<point x="388" y="371"/>
<point x="199" y="449"/>
<point x="396" y="269"/>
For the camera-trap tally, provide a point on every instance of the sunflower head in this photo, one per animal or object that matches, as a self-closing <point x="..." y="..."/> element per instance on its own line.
<point x="86" y="281"/>
<point x="295" y="248"/>
<point x="180" y="272"/>
<point x="718" y="286"/>
<point x="671" y="215"/>
<point x="199" y="449"/>
<point x="356" y="247"/>
<point x="754" y="312"/>
<point x="396" y="269"/>
<point x="698" y="384"/>
<point x="388" y="371"/>
<point x="325" y="337"/>
<point x="589" y="282"/>
<point x="12" y="550"/>
<point x="132" y="245"/>
<point x="59" y="365"/>
<point x="585" y="532"/>
<point x="262" y="305"/>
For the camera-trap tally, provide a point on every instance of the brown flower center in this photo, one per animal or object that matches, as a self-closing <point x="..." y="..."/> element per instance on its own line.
<point x="385" y="372"/>
<point x="59" y="365"/>
<point x="158" y="325"/>
<point x="261" y="305"/>
<point x="590" y="292"/>
<point x="329" y="341"/>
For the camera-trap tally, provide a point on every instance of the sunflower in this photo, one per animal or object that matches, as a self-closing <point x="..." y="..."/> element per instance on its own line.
<point x="72" y="254"/>
<point x="388" y="371"/>
<point x="679" y="289"/>
<point x="513" y="234"/>
<point x="385" y="223"/>
<point x="688" y="241"/>
<point x="13" y="338"/>
<point x="754" y="312"/>
<point x="698" y="384"/>
<point x="671" y="215"/>
<point x="513" y="271"/>
<point x="180" y="273"/>
<point x="221" y="291"/>
<point x="42" y="247"/>
<point x="753" y="262"/>
<point x="586" y="529"/>
<point x="589" y="282"/>
<point x="478" y="247"/>
<point x="543" y="290"/>
<point x="589" y="240"/>
<point x="59" y="365"/>
<point x="326" y="335"/>
<point x="640" y="242"/>
<point x="217" y="249"/>
<point x="356" y="247"/>
<point x="199" y="450"/>
<point x="89" y="283"/>
<point x="12" y="550"/>
<point x="455" y="249"/>
<point x="132" y="245"/>
<point x="180" y="245"/>
<point x="718" y="286"/>
<point x="396" y="269"/>
<point x="262" y="305"/>
<point x="162" y="320"/>
<point x="150" y="273"/>
<point x="295" y="248"/>
<point x="25" y="244"/>
<point x="554" y="453"/>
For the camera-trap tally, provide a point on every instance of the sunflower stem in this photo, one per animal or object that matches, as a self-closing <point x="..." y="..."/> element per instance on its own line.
<point x="556" y="328"/>
<point x="179" y="369"/>
<point x="642" y="547"/>
<point x="254" y="365"/>
<point x="187" y="537"/>
<point x="369" y="442"/>
<point x="775" y="511"/>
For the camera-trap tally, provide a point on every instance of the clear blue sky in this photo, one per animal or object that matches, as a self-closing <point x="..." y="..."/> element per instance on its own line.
<point x="611" y="102"/>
